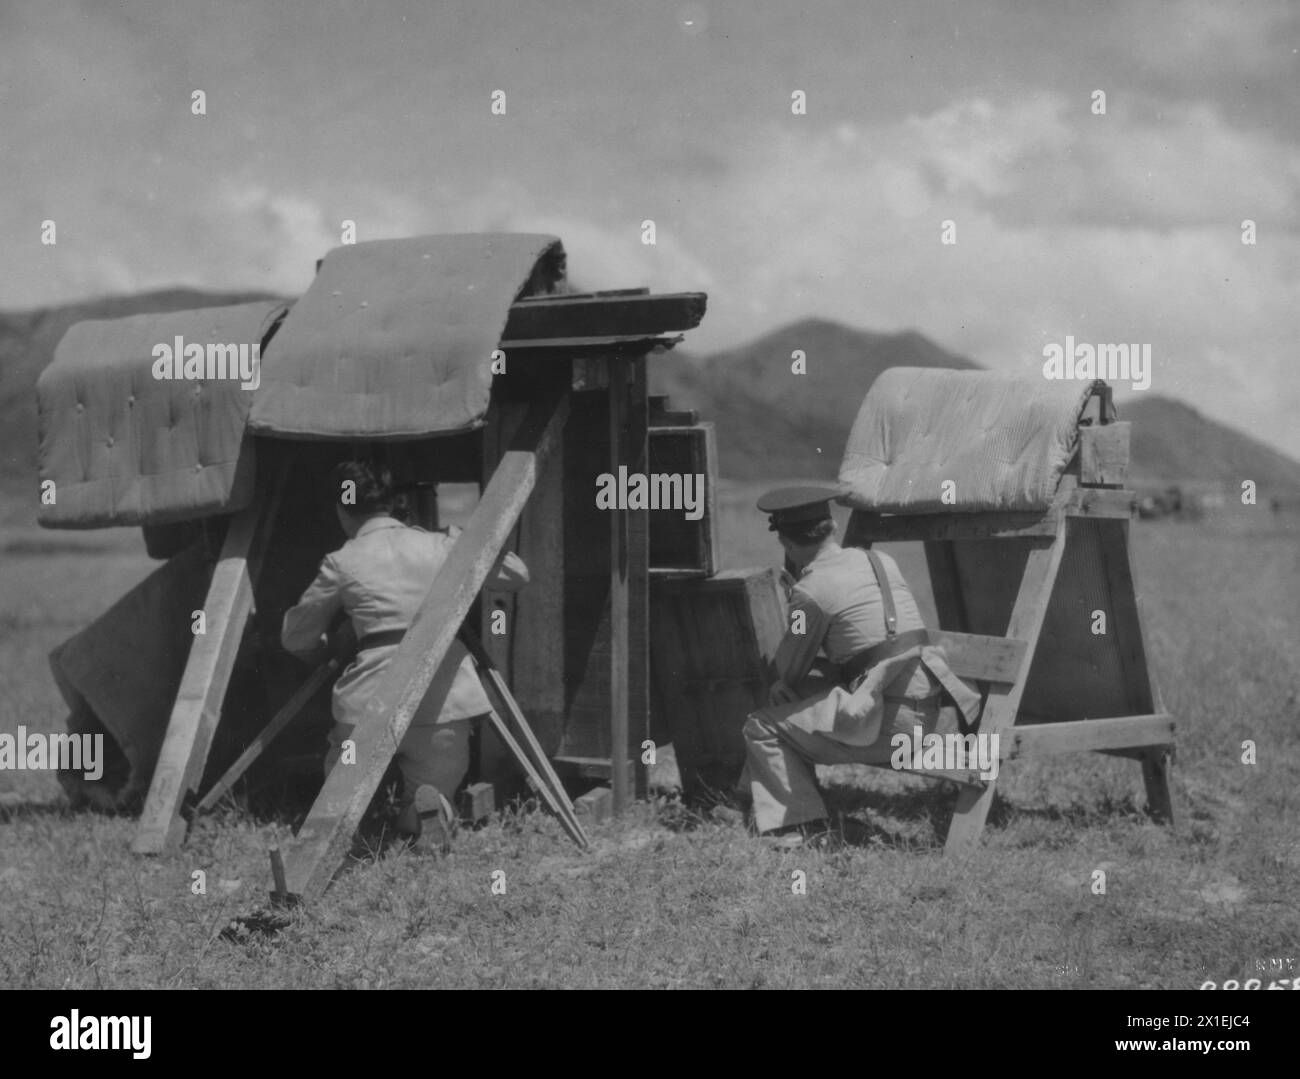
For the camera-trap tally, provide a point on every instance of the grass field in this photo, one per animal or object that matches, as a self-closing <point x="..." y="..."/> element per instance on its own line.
<point x="666" y="900"/>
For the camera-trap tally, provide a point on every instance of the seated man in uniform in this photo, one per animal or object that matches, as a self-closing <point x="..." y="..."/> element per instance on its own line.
<point x="379" y="578"/>
<point x="855" y="607"/>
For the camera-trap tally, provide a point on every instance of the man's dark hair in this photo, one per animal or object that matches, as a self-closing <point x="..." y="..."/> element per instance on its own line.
<point x="370" y="484"/>
<point x="810" y="533"/>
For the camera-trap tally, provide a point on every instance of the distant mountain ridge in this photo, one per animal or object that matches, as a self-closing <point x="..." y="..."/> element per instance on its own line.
<point x="771" y="423"/>
<point x="774" y="423"/>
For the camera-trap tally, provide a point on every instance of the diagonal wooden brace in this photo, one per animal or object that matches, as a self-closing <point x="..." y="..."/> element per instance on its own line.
<point x="416" y="668"/>
<point x="197" y="710"/>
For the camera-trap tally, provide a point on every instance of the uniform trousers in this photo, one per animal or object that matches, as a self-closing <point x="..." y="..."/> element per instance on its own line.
<point x="430" y="753"/>
<point x="780" y="754"/>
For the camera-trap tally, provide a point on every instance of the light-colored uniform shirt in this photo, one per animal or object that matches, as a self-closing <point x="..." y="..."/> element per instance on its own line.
<point x="843" y="613"/>
<point x="380" y="578"/>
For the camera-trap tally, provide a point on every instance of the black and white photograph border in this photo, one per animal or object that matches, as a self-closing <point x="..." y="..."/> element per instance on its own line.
<point x="718" y="495"/>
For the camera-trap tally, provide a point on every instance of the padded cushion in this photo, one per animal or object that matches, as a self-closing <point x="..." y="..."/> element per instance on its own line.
<point x="1003" y="441"/>
<point x="125" y="448"/>
<point x="394" y="338"/>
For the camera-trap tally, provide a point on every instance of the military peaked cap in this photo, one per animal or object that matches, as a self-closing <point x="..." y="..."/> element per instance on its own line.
<point x="790" y="507"/>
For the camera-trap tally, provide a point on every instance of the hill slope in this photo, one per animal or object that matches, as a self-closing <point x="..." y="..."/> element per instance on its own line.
<point x="1172" y="442"/>
<point x="772" y="422"/>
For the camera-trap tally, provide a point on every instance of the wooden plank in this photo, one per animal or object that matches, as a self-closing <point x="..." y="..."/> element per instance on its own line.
<point x="865" y="527"/>
<point x="197" y="709"/>
<point x="324" y="839"/>
<point x="1155" y="775"/>
<point x="535" y="762"/>
<point x="1101" y="502"/>
<point x="1104" y="454"/>
<point x="550" y="790"/>
<point x="962" y="777"/>
<point x="1082" y="734"/>
<point x="588" y="767"/>
<point x="983" y="658"/>
<point x="603" y="316"/>
<point x="1129" y="624"/>
<point x="619" y="567"/>
<point x="595" y="348"/>
<point x="638" y="594"/>
<point x="286" y="715"/>
<point x="542" y="297"/>
<point x="1041" y="568"/>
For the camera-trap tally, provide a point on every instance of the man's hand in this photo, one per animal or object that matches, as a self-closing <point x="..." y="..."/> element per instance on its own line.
<point x="780" y="693"/>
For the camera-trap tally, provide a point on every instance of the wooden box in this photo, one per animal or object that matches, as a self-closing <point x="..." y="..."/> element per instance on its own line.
<point x="681" y="547"/>
<point x="712" y="643"/>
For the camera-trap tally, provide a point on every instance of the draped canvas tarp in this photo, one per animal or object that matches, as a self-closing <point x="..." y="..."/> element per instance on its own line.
<point x="1003" y="441"/>
<point x="123" y="447"/>
<point x="394" y="338"/>
<point x="120" y="674"/>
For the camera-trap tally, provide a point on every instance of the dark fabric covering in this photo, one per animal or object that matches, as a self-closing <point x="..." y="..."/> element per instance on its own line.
<point x="120" y="674"/>
<point x="394" y="338"/>
<point x="125" y="448"/>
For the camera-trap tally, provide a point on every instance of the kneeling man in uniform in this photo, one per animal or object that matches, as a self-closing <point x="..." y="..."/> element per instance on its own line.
<point x="879" y="678"/>
<point x="379" y="578"/>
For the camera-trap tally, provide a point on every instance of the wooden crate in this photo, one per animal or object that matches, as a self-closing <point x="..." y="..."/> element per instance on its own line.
<point x="712" y="643"/>
<point x="678" y="547"/>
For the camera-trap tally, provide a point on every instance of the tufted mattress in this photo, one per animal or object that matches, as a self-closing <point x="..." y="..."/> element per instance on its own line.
<point x="1002" y="441"/>
<point x="123" y="447"/>
<point x="394" y="338"/>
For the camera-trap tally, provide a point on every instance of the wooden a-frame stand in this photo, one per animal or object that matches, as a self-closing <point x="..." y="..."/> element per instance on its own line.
<point x="1042" y="609"/>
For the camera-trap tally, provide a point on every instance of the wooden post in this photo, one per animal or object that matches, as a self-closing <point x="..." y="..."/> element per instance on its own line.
<point x="638" y="596"/>
<point x="618" y="592"/>
<point x="1128" y="624"/>
<point x="418" y="666"/>
<point x="197" y="710"/>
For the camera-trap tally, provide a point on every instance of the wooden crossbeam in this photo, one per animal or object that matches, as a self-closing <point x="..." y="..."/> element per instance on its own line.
<point x="617" y="315"/>
<point x="1072" y="501"/>
<point x="980" y="657"/>
<point x="1070" y="737"/>
<point x="418" y="665"/>
<point x="197" y="709"/>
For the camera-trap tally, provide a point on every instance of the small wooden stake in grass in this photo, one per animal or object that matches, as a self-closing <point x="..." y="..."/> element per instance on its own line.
<point x="277" y="872"/>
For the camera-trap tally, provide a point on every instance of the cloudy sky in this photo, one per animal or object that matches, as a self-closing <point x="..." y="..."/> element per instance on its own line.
<point x="1122" y="227"/>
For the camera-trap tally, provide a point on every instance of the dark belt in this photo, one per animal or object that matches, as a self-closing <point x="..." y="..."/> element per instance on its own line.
<point x="382" y="639"/>
<point x="852" y="670"/>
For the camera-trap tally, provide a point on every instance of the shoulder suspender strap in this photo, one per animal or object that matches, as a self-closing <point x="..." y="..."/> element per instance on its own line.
<point x="886" y="593"/>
